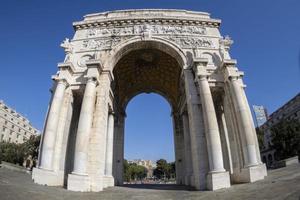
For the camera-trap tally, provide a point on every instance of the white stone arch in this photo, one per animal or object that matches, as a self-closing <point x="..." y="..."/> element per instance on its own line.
<point x="137" y="43"/>
<point x="213" y="58"/>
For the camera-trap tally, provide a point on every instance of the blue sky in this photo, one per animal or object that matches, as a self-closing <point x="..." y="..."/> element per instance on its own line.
<point x="266" y="38"/>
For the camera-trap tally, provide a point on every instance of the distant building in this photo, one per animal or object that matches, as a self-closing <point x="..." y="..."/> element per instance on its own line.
<point x="290" y="110"/>
<point x="261" y="115"/>
<point x="14" y="127"/>
<point x="145" y="163"/>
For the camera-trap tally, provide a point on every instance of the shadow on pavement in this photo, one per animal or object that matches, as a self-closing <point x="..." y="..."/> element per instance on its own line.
<point x="158" y="186"/>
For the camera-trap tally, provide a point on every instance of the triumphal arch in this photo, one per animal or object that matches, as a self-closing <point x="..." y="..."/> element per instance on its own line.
<point x="116" y="55"/>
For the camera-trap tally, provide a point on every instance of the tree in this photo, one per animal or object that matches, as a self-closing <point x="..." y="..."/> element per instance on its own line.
<point x="164" y="170"/>
<point x="31" y="146"/>
<point x="17" y="153"/>
<point x="132" y="171"/>
<point x="260" y="138"/>
<point x="286" y="138"/>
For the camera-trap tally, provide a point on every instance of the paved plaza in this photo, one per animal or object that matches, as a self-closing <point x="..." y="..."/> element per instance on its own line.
<point x="280" y="184"/>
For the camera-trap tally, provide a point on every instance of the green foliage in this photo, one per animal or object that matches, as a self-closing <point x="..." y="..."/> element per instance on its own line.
<point x="260" y="138"/>
<point x="16" y="153"/>
<point x="164" y="170"/>
<point x="132" y="171"/>
<point x="286" y="139"/>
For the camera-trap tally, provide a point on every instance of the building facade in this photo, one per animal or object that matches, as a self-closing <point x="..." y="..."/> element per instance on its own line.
<point x="290" y="110"/>
<point x="117" y="55"/>
<point x="145" y="163"/>
<point x="14" y="127"/>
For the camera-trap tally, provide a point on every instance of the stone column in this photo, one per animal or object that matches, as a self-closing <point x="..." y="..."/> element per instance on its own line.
<point x="198" y="142"/>
<point x="118" y="164"/>
<point x="109" y="151"/>
<point x="79" y="179"/>
<point x="245" y="122"/>
<point x="51" y="126"/>
<point x="214" y="148"/>
<point x="253" y="169"/>
<point x="179" y="148"/>
<point x="97" y="145"/>
<point x="84" y="127"/>
<point x="187" y="150"/>
<point x="61" y="130"/>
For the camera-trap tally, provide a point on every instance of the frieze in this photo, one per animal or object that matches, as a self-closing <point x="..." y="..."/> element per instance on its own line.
<point x="103" y="43"/>
<point x="140" y="29"/>
<point x="192" y="42"/>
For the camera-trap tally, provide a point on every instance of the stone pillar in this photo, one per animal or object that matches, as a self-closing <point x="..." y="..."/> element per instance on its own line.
<point x="179" y="148"/>
<point x="79" y="180"/>
<point x="61" y="130"/>
<point x="51" y="126"/>
<point x="245" y="123"/>
<point x="217" y="177"/>
<point x="187" y="150"/>
<point x="118" y="161"/>
<point x="97" y="146"/>
<point x="253" y="168"/>
<point x="84" y="127"/>
<point x="108" y="178"/>
<point x="198" y="142"/>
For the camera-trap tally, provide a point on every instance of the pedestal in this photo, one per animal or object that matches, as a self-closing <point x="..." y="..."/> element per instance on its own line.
<point x="79" y="183"/>
<point x="218" y="180"/>
<point x="253" y="173"/>
<point x="108" y="181"/>
<point x="47" y="177"/>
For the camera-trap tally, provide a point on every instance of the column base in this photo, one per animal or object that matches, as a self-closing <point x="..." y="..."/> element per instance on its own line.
<point x="108" y="181"/>
<point x="188" y="180"/>
<point x="218" y="180"/>
<point x="252" y="174"/>
<point x="47" y="177"/>
<point x="79" y="183"/>
<point x="96" y="183"/>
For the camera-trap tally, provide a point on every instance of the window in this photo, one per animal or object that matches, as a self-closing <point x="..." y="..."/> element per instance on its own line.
<point x="11" y="132"/>
<point x="9" y="139"/>
<point x="19" y="130"/>
<point x="25" y="133"/>
<point x="5" y="122"/>
<point x="12" y="126"/>
<point x="3" y="129"/>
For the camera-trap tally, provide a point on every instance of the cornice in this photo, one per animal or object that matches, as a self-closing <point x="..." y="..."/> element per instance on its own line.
<point x="136" y="20"/>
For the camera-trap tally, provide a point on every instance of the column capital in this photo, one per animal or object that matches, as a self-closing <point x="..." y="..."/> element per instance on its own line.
<point x="231" y="72"/>
<point x="93" y="80"/>
<point x="66" y="66"/>
<point x="94" y="68"/>
<point x="200" y="68"/>
<point x="61" y="81"/>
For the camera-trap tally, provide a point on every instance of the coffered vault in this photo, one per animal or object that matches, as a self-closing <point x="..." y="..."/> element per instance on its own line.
<point x="116" y="55"/>
<point x="147" y="70"/>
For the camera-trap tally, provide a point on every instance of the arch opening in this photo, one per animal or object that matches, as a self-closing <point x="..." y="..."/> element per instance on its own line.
<point x="145" y="67"/>
<point x="148" y="137"/>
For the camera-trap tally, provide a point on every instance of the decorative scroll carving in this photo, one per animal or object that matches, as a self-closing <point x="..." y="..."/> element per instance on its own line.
<point x="141" y="29"/>
<point x="191" y="42"/>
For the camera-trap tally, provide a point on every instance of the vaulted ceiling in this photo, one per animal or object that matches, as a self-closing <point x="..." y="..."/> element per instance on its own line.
<point x="146" y="70"/>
